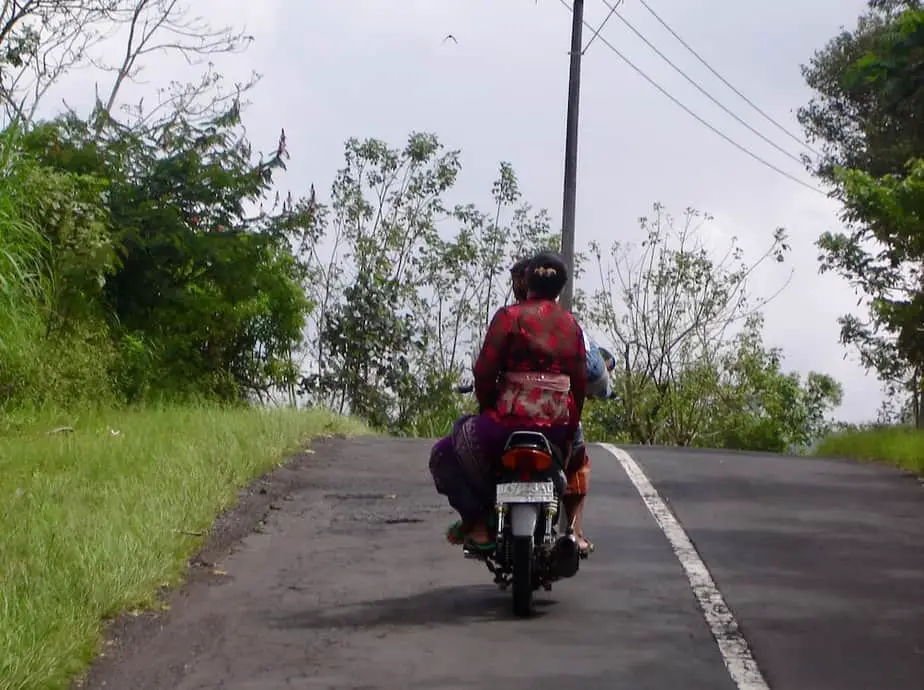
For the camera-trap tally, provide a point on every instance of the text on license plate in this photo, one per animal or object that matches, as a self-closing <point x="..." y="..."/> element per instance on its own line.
<point x="525" y="492"/>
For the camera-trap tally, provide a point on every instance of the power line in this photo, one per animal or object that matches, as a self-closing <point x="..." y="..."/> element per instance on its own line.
<point x="613" y="9"/>
<point x="692" y="114"/>
<point x="698" y="86"/>
<point x="725" y="81"/>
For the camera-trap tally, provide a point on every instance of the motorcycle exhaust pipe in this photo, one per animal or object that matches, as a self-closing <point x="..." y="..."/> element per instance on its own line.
<point x="566" y="556"/>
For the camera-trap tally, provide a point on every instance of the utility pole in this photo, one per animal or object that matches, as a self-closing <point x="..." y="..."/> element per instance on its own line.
<point x="571" y="149"/>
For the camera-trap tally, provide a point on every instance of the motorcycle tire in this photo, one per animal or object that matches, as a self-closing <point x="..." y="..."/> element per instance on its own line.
<point x="522" y="576"/>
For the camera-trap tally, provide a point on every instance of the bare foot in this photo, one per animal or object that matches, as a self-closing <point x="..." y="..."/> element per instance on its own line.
<point x="479" y="534"/>
<point x="584" y="544"/>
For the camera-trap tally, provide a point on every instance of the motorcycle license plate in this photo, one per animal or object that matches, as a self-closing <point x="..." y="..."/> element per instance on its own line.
<point x="526" y="492"/>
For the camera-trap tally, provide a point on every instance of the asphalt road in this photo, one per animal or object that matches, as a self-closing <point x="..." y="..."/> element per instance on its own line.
<point x="349" y="584"/>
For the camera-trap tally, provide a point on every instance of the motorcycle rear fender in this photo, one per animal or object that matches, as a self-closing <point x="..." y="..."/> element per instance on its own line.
<point x="523" y="519"/>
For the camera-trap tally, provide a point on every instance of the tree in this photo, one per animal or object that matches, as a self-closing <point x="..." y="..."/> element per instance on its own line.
<point x="694" y="370"/>
<point x="168" y="27"/>
<point x="41" y="41"/>
<point x="760" y="407"/>
<point x="848" y="116"/>
<point x="870" y="93"/>
<point x="408" y="283"/>
<point x="893" y="205"/>
<point x="384" y="208"/>
<point x="209" y="297"/>
<point x="668" y="309"/>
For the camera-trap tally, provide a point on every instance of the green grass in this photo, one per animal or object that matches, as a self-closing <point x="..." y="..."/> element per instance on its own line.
<point x="903" y="447"/>
<point x="23" y="290"/>
<point x="93" y="522"/>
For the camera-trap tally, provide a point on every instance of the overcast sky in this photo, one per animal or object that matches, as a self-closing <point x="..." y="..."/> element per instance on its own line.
<point x="380" y="68"/>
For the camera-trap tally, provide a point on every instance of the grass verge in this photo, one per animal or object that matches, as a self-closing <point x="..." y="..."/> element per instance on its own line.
<point x="97" y="520"/>
<point x="899" y="446"/>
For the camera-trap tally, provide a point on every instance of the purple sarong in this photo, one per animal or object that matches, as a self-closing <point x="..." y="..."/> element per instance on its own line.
<point x="462" y="463"/>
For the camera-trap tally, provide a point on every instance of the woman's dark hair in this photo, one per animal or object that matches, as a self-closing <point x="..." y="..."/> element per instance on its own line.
<point x="547" y="275"/>
<point x="519" y="268"/>
<point x="518" y="278"/>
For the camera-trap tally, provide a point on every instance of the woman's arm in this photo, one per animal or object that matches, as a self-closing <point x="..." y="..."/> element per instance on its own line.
<point x="488" y="365"/>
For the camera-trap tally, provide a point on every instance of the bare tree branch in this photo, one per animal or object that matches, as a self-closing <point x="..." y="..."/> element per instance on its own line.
<point x="166" y="26"/>
<point x="42" y="40"/>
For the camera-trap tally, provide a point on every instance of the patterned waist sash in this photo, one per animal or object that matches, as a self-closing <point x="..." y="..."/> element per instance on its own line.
<point x="538" y="397"/>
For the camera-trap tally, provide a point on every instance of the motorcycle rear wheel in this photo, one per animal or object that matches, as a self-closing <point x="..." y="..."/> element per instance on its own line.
<point x="522" y="576"/>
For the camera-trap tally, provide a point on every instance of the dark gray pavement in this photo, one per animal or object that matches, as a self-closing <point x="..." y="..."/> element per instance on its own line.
<point x="822" y="562"/>
<point x="349" y="584"/>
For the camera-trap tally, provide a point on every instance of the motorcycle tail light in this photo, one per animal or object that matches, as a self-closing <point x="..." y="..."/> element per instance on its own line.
<point x="526" y="460"/>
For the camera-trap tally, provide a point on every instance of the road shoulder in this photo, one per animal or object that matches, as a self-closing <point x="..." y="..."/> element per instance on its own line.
<point x="127" y="634"/>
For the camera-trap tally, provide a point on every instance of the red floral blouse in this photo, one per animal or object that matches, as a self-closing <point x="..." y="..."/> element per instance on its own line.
<point x="540" y="337"/>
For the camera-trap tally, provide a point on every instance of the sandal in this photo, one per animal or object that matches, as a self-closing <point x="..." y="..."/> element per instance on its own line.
<point x="490" y="543"/>
<point x="456" y="533"/>
<point x="480" y="546"/>
<point x="587" y="550"/>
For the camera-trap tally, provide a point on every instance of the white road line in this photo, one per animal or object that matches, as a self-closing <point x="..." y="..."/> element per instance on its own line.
<point x="732" y="645"/>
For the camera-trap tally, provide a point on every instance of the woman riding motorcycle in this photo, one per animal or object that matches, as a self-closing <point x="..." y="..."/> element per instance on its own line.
<point x="599" y="363"/>
<point x="531" y="375"/>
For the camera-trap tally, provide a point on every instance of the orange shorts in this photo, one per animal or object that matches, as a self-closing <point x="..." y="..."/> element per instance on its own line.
<point x="578" y="474"/>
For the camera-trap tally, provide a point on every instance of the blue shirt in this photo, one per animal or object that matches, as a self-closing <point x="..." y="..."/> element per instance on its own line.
<point x="598" y="383"/>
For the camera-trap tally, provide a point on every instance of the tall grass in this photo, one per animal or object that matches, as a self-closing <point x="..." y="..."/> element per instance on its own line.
<point x="38" y="365"/>
<point x="96" y="520"/>
<point x="435" y="421"/>
<point x="24" y="287"/>
<point x="900" y="446"/>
